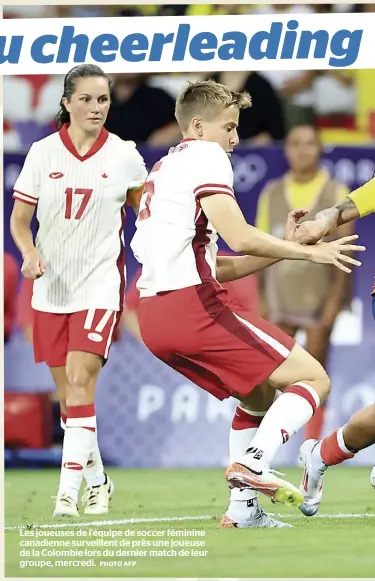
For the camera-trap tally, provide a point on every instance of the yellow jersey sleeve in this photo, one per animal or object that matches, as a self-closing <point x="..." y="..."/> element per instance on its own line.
<point x="261" y="218"/>
<point x="364" y="198"/>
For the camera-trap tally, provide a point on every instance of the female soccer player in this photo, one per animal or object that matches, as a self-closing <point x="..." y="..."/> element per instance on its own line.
<point x="79" y="180"/>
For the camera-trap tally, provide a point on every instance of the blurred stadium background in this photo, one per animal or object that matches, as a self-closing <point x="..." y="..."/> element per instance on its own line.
<point x="148" y="416"/>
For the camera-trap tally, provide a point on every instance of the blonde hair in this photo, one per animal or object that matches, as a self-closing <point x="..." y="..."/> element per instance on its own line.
<point x="206" y="99"/>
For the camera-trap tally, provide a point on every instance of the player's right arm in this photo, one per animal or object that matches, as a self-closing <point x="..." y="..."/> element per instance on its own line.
<point x="214" y="192"/>
<point x="225" y="215"/>
<point x="26" y="193"/>
<point x="33" y="264"/>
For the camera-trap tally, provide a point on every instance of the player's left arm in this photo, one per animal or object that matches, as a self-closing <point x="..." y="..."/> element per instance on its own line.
<point x="138" y="175"/>
<point x="134" y="196"/>
<point x="230" y="268"/>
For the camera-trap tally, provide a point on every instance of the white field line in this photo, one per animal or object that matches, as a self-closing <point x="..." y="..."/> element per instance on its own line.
<point x="102" y="523"/>
<point x="337" y="515"/>
<point x="128" y="521"/>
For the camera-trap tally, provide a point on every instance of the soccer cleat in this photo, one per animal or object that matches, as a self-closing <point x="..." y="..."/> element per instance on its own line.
<point x="65" y="506"/>
<point x="372" y="477"/>
<point x="96" y="498"/>
<point x="259" y="520"/>
<point x="312" y="479"/>
<point x="266" y="482"/>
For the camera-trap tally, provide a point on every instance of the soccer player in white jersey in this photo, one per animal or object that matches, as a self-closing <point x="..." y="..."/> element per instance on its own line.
<point x="184" y="315"/>
<point x="78" y="180"/>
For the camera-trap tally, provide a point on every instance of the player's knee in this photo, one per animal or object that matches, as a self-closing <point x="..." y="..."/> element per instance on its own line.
<point x="77" y="383"/>
<point x="322" y="383"/>
<point x="315" y="374"/>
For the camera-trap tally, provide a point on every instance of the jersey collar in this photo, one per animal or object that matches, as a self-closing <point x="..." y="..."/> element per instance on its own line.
<point x="65" y="138"/>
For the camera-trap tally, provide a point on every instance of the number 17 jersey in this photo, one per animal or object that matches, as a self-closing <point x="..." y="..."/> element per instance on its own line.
<point x="80" y="208"/>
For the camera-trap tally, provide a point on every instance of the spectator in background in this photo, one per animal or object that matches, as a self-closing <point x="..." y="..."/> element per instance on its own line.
<point x="335" y="99"/>
<point x="263" y="122"/>
<point x="10" y="293"/>
<point x="141" y="113"/>
<point x="297" y="294"/>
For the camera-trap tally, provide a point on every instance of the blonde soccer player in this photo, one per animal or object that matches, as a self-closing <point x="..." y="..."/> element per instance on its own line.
<point x="78" y="181"/>
<point x="188" y="201"/>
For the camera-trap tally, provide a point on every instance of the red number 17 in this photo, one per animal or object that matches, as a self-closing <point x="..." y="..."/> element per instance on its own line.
<point x="69" y="200"/>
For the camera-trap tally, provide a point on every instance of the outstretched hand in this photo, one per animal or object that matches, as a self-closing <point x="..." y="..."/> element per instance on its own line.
<point x="292" y="225"/>
<point x="333" y="252"/>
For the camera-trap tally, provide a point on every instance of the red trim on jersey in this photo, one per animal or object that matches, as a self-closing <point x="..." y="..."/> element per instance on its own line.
<point x="205" y="194"/>
<point x="30" y="201"/>
<point x="121" y="259"/>
<point x="187" y="139"/>
<point x="213" y="186"/>
<point x="200" y="241"/>
<point x="65" y="138"/>
<point x="27" y="195"/>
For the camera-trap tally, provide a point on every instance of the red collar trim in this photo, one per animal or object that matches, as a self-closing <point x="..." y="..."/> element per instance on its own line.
<point x="187" y="139"/>
<point x="65" y="138"/>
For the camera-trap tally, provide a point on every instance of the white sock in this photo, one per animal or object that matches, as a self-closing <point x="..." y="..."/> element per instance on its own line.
<point x="245" y="425"/>
<point x="286" y="416"/>
<point x="93" y="472"/>
<point x="79" y="441"/>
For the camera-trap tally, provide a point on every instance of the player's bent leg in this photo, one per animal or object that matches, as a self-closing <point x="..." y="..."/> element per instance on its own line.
<point x="304" y="384"/>
<point x="359" y="432"/>
<point x="244" y="510"/>
<point x="341" y="445"/>
<point x="318" y="345"/>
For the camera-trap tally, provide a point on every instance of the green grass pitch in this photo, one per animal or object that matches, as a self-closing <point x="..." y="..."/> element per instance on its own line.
<point x="333" y="545"/>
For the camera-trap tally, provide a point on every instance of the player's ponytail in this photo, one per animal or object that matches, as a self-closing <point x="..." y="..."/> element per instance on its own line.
<point x="78" y="72"/>
<point x="62" y="117"/>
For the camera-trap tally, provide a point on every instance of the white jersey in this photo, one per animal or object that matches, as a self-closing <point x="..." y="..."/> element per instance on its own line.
<point x="174" y="242"/>
<point x="80" y="211"/>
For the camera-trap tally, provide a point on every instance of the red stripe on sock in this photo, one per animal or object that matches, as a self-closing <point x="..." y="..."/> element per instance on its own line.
<point x="331" y="452"/>
<point x="81" y="411"/>
<point x="64" y="417"/>
<point x="242" y="420"/>
<point x="302" y="392"/>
